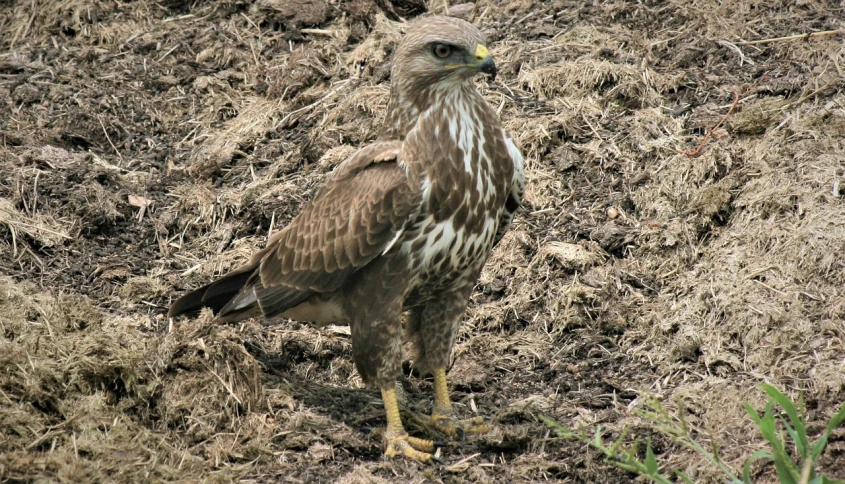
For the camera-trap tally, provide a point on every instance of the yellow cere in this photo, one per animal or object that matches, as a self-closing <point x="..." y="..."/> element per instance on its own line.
<point x="481" y="52"/>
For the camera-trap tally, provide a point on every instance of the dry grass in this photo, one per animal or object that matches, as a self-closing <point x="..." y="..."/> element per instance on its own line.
<point x="632" y="267"/>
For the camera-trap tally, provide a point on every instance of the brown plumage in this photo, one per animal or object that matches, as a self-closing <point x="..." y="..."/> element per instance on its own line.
<point x="403" y="225"/>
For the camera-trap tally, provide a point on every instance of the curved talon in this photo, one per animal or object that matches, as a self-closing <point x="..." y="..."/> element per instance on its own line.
<point x="459" y="429"/>
<point x="443" y="418"/>
<point x="412" y="448"/>
<point x="397" y="441"/>
<point x="423" y="445"/>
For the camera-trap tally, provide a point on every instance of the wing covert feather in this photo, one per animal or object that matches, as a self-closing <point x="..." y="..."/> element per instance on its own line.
<point x="363" y="205"/>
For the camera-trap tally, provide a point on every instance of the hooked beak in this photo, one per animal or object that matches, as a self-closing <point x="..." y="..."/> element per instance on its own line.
<point x="484" y="61"/>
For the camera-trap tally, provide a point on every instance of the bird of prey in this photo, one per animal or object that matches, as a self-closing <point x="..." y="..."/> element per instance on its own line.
<point x="401" y="227"/>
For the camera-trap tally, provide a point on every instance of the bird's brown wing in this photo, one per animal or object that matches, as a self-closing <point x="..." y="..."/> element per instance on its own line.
<point x="353" y="218"/>
<point x="517" y="189"/>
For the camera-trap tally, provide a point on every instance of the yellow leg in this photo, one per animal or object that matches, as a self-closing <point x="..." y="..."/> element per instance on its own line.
<point x="398" y="442"/>
<point x="443" y="418"/>
<point x="442" y="403"/>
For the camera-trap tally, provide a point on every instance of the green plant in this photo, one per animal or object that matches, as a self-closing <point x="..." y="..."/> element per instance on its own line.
<point x="619" y="455"/>
<point x="626" y="456"/>
<point x="789" y="471"/>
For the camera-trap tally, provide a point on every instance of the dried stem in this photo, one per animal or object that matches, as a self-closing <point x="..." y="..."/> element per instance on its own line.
<point x="806" y="36"/>
<point x="697" y="152"/>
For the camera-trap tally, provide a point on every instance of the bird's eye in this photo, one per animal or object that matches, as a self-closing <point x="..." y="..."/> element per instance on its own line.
<point x="442" y="50"/>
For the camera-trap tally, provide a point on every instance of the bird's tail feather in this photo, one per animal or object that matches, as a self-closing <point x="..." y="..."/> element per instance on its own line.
<point x="214" y="296"/>
<point x="278" y="299"/>
<point x="240" y="295"/>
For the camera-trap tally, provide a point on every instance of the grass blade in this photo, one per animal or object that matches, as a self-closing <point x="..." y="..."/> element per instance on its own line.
<point x="559" y="429"/>
<point x="746" y="469"/>
<point x="834" y="422"/>
<point x="684" y="477"/>
<point x="792" y="412"/>
<point x="650" y="461"/>
<point x="802" y="451"/>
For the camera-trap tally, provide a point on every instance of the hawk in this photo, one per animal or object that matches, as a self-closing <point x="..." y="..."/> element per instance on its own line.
<point x="403" y="226"/>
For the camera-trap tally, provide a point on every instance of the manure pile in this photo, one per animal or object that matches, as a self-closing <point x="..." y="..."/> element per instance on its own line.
<point x="148" y="146"/>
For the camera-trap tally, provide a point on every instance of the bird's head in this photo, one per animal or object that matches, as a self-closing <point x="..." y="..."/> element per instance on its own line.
<point x="441" y="50"/>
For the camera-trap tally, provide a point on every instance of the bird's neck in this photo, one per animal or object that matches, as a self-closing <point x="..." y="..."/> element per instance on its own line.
<point x="405" y="106"/>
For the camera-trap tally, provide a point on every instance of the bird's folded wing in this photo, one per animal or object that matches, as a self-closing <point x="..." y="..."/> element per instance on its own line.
<point x="352" y="219"/>
<point x="517" y="189"/>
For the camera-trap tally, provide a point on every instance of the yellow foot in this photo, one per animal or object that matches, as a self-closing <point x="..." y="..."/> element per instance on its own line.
<point x="459" y="429"/>
<point x="403" y="445"/>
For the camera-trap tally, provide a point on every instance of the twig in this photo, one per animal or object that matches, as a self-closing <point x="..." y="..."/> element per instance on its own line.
<point x="251" y="23"/>
<point x="109" y="138"/>
<point x="168" y="52"/>
<point x="270" y="230"/>
<point x="733" y="47"/>
<point x="776" y="291"/>
<point x="317" y="32"/>
<point x="697" y="152"/>
<point x="462" y="464"/>
<point x="523" y="19"/>
<point x="26" y="26"/>
<point x="806" y="36"/>
<point x="808" y="96"/>
<point x="37" y="228"/>
<point x="227" y="386"/>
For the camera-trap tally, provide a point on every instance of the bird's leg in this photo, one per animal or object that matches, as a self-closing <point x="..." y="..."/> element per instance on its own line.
<point x="397" y="440"/>
<point x="377" y="352"/>
<point x="443" y="417"/>
<point x="433" y="329"/>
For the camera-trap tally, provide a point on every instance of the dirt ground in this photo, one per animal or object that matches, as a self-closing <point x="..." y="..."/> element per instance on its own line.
<point x="147" y="146"/>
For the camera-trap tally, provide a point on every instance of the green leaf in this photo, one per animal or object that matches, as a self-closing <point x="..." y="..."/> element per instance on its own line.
<point x="752" y="413"/>
<point x="787" y="473"/>
<point x="797" y="421"/>
<point x="834" y="422"/>
<point x="826" y="480"/>
<point x="650" y="461"/>
<point x="619" y="441"/>
<point x="684" y="477"/>
<point x="767" y="429"/>
<point x="795" y="438"/>
<point x="746" y="469"/>
<point x="597" y="439"/>
<point x="559" y="429"/>
<point x="630" y="467"/>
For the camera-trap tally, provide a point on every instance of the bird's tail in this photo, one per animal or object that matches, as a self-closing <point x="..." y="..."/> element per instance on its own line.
<point x="214" y="296"/>
<point x="239" y="295"/>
